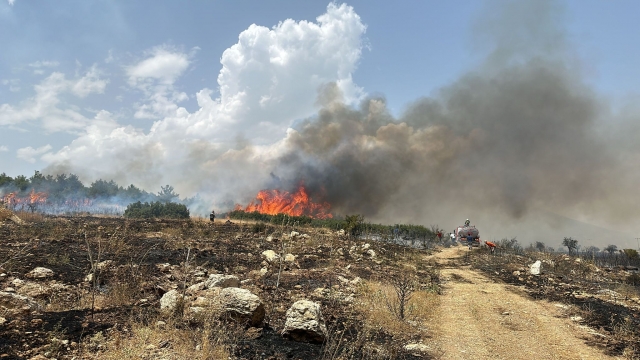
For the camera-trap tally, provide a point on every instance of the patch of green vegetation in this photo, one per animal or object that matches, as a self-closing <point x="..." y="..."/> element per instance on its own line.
<point x="139" y="210"/>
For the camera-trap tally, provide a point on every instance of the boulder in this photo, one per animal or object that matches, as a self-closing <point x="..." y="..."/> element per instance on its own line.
<point x="242" y="305"/>
<point x="270" y="256"/>
<point x="536" y="268"/>
<point x="222" y="281"/>
<point x="40" y="273"/>
<point x="14" y="303"/>
<point x="170" y="299"/>
<point x="305" y="322"/>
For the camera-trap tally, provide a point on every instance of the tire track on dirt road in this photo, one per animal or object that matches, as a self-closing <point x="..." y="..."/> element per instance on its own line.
<point x="480" y="318"/>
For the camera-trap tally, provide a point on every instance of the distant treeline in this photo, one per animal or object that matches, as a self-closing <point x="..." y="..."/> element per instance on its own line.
<point x="61" y="188"/>
<point x="354" y="224"/>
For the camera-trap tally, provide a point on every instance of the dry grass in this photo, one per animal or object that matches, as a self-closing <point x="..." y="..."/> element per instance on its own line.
<point x="30" y="216"/>
<point x="5" y="214"/>
<point x="172" y="339"/>
<point x="375" y="297"/>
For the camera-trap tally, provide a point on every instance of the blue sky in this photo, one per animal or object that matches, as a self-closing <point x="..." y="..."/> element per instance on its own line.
<point x="409" y="50"/>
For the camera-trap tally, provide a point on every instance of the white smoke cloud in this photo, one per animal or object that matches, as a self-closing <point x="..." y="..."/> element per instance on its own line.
<point x="268" y="79"/>
<point x="29" y="154"/>
<point x="3" y="148"/>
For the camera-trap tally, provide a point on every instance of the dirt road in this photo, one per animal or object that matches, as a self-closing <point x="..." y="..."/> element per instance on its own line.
<point x="480" y="318"/>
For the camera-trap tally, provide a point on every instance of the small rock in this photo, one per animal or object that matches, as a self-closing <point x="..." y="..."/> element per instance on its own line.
<point x="416" y="348"/>
<point x="40" y="273"/>
<point x="270" y="256"/>
<point x="196" y="287"/>
<point x="105" y="265"/>
<point x="294" y="234"/>
<point x="10" y="289"/>
<point x="371" y="253"/>
<point x="222" y="281"/>
<point x="170" y="299"/>
<point x="161" y="324"/>
<point x="516" y="273"/>
<point x="289" y="258"/>
<point x="17" y="303"/>
<point x="305" y="322"/>
<point x="536" y="268"/>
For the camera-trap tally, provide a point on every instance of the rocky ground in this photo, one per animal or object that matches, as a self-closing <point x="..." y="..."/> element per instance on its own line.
<point x="91" y="287"/>
<point x="111" y="288"/>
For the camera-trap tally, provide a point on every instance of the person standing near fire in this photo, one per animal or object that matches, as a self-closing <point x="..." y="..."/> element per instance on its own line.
<point x="212" y="216"/>
<point x="470" y="240"/>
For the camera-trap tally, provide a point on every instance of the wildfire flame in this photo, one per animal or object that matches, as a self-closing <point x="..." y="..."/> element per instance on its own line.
<point x="11" y="199"/>
<point x="273" y="202"/>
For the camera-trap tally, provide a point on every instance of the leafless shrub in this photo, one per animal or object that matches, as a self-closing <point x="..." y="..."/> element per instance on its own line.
<point x="404" y="285"/>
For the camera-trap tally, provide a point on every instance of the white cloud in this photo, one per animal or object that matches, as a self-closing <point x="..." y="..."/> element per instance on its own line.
<point x="3" y="148"/>
<point x="14" y="84"/>
<point x="46" y="106"/>
<point x="90" y="83"/>
<point x="45" y="63"/>
<point x="11" y="2"/>
<point x="155" y="77"/>
<point x="162" y="64"/>
<point x="29" y="154"/>
<point x="268" y="79"/>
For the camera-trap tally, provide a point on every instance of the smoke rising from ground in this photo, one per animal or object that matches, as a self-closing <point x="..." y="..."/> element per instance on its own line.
<point x="520" y="136"/>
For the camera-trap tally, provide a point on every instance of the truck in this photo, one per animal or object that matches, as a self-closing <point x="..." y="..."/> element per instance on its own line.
<point x="461" y="233"/>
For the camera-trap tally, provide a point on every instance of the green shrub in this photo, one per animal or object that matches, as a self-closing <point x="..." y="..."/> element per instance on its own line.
<point x="139" y="210"/>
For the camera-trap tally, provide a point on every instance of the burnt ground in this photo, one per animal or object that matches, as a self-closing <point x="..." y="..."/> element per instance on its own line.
<point x="602" y="299"/>
<point x="78" y="317"/>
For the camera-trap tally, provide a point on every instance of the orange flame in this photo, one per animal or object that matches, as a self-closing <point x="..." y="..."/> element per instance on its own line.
<point x="12" y="199"/>
<point x="273" y="202"/>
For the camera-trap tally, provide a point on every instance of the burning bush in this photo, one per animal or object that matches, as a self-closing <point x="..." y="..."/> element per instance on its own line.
<point x="156" y="209"/>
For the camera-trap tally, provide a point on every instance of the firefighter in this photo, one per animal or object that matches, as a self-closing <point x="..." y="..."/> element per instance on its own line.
<point x="491" y="246"/>
<point x="212" y="216"/>
<point x="470" y="240"/>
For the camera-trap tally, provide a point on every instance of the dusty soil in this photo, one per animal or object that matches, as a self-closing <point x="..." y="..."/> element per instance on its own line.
<point x="484" y="318"/>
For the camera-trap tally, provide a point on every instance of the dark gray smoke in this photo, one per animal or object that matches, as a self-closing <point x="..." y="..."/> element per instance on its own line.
<point x="521" y="133"/>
